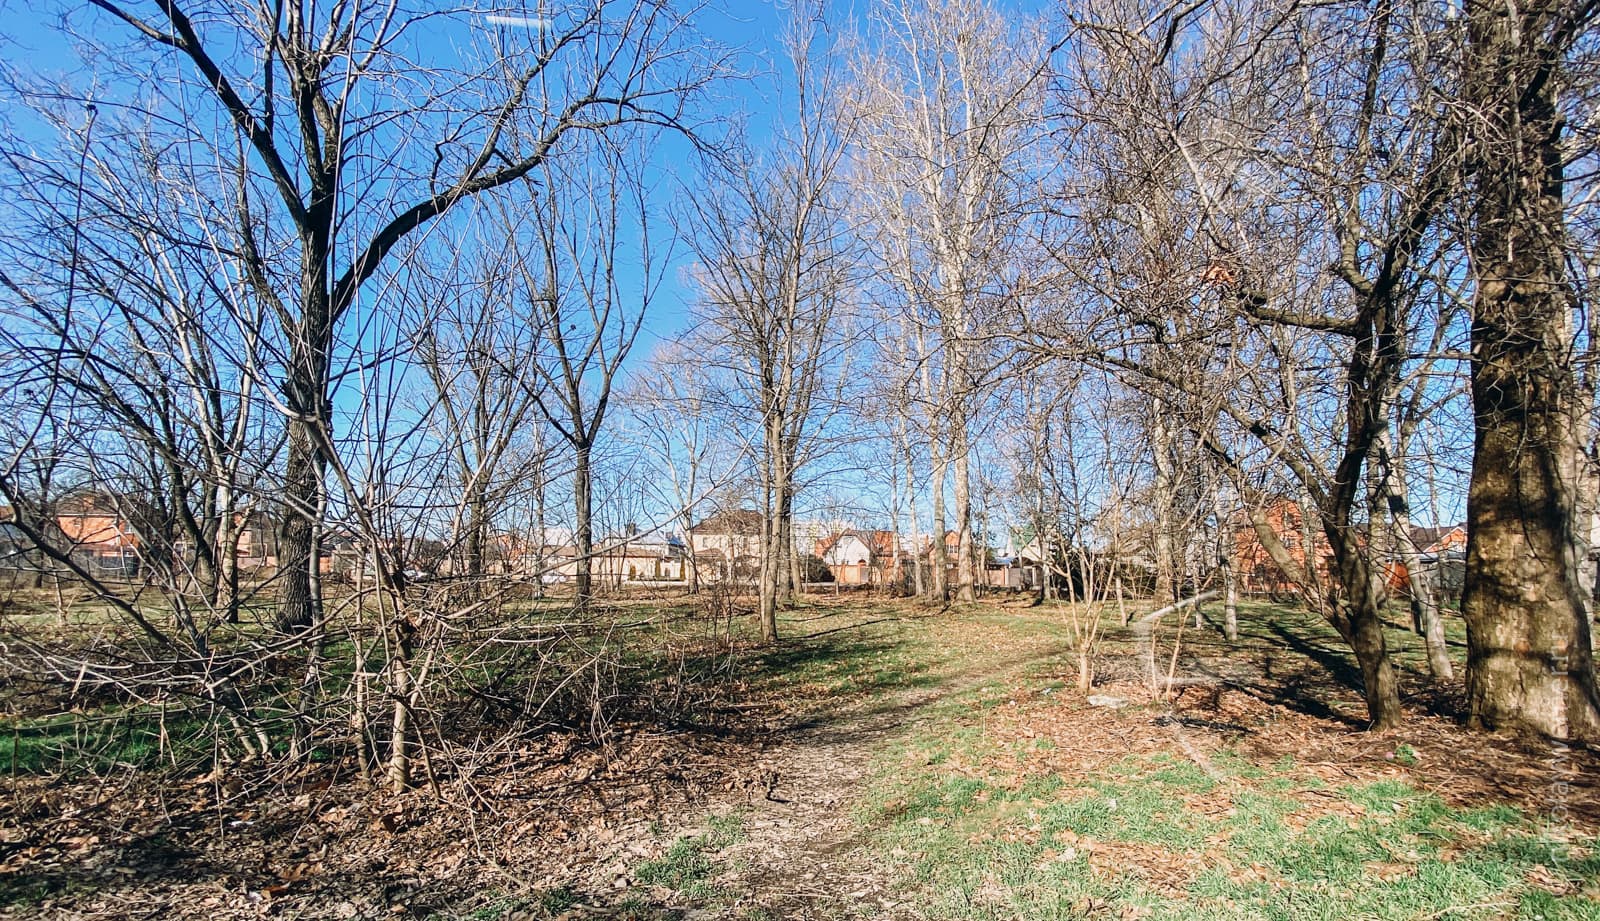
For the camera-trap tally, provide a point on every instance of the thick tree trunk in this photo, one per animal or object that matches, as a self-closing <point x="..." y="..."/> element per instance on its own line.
<point x="1530" y="662"/>
<point x="1362" y="628"/>
<point x="771" y="572"/>
<point x="298" y="548"/>
<point x="1359" y="620"/>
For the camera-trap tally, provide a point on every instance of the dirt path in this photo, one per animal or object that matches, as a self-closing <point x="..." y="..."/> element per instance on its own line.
<point x="798" y="853"/>
<point x="802" y="856"/>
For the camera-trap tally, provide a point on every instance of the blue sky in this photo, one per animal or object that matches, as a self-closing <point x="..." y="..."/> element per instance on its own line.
<point x="33" y="38"/>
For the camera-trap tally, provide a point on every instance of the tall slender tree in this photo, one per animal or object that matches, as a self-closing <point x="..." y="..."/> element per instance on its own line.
<point x="774" y="271"/>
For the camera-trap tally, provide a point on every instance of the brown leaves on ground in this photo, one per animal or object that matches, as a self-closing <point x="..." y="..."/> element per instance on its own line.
<point x="549" y="813"/>
<point x="1429" y="754"/>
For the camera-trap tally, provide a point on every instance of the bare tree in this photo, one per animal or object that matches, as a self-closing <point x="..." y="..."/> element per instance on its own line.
<point x="774" y="271"/>
<point x="475" y="347"/>
<point x="677" y="414"/>
<point x="589" y="276"/>
<point x="948" y="101"/>
<point x="1356" y="187"/>
<point x="132" y="317"/>
<point x="354" y="144"/>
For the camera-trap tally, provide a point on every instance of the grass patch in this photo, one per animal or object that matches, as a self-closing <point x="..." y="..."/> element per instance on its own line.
<point x="74" y="744"/>
<point x="1132" y="844"/>
<point x="688" y="864"/>
<point x="1158" y="836"/>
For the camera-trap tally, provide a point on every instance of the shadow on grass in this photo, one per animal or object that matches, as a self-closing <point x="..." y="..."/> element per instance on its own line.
<point x="882" y="682"/>
<point x="1304" y="664"/>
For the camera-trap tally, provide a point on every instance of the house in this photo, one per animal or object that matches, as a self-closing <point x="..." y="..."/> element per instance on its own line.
<point x="550" y="563"/>
<point x="1441" y="555"/>
<point x="99" y="535"/>
<point x="952" y="554"/>
<point x="1031" y="565"/>
<point x="257" y="550"/>
<point x="1438" y="542"/>
<point x="727" y="544"/>
<point x="622" y="560"/>
<point x="1302" y="538"/>
<point x="1006" y="571"/>
<point x="861" y="557"/>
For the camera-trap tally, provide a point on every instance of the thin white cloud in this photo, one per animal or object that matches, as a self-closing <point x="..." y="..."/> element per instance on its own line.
<point x="519" y="22"/>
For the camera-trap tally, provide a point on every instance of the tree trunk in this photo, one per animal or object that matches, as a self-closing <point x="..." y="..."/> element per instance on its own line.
<point x="771" y="565"/>
<point x="583" y="506"/>
<point x="966" y="558"/>
<point x="1229" y="579"/>
<point x="1362" y="628"/>
<point x="226" y="598"/>
<point x="1359" y="620"/>
<point x="690" y="558"/>
<point x="399" y="767"/>
<point x="1230" y="603"/>
<point x="1165" y="488"/>
<point x="1530" y="663"/>
<point x="919" y="586"/>
<point x="772" y="561"/>
<point x="1424" y="607"/>
<point x="298" y="550"/>
<point x="788" y="583"/>
<point x="1355" y="617"/>
<point x="477" y="527"/>
<point x="938" y="559"/>
<point x="538" y="515"/>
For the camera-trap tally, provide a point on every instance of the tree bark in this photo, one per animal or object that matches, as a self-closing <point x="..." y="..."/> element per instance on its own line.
<point x="583" y="507"/>
<point x="919" y="586"/>
<point x="1424" y="606"/>
<point x="1225" y="573"/>
<point x="298" y="548"/>
<point x="1165" y="488"/>
<point x="938" y="559"/>
<point x="966" y="560"/>
<point x="1530" y="662"/>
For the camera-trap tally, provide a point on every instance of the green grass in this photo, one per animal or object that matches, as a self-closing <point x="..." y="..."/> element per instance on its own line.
<point x="975" y="850"/>
<point x="689" y="864"/>
<point x="75" y="743"/>
<point x="1159" y="837"/>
